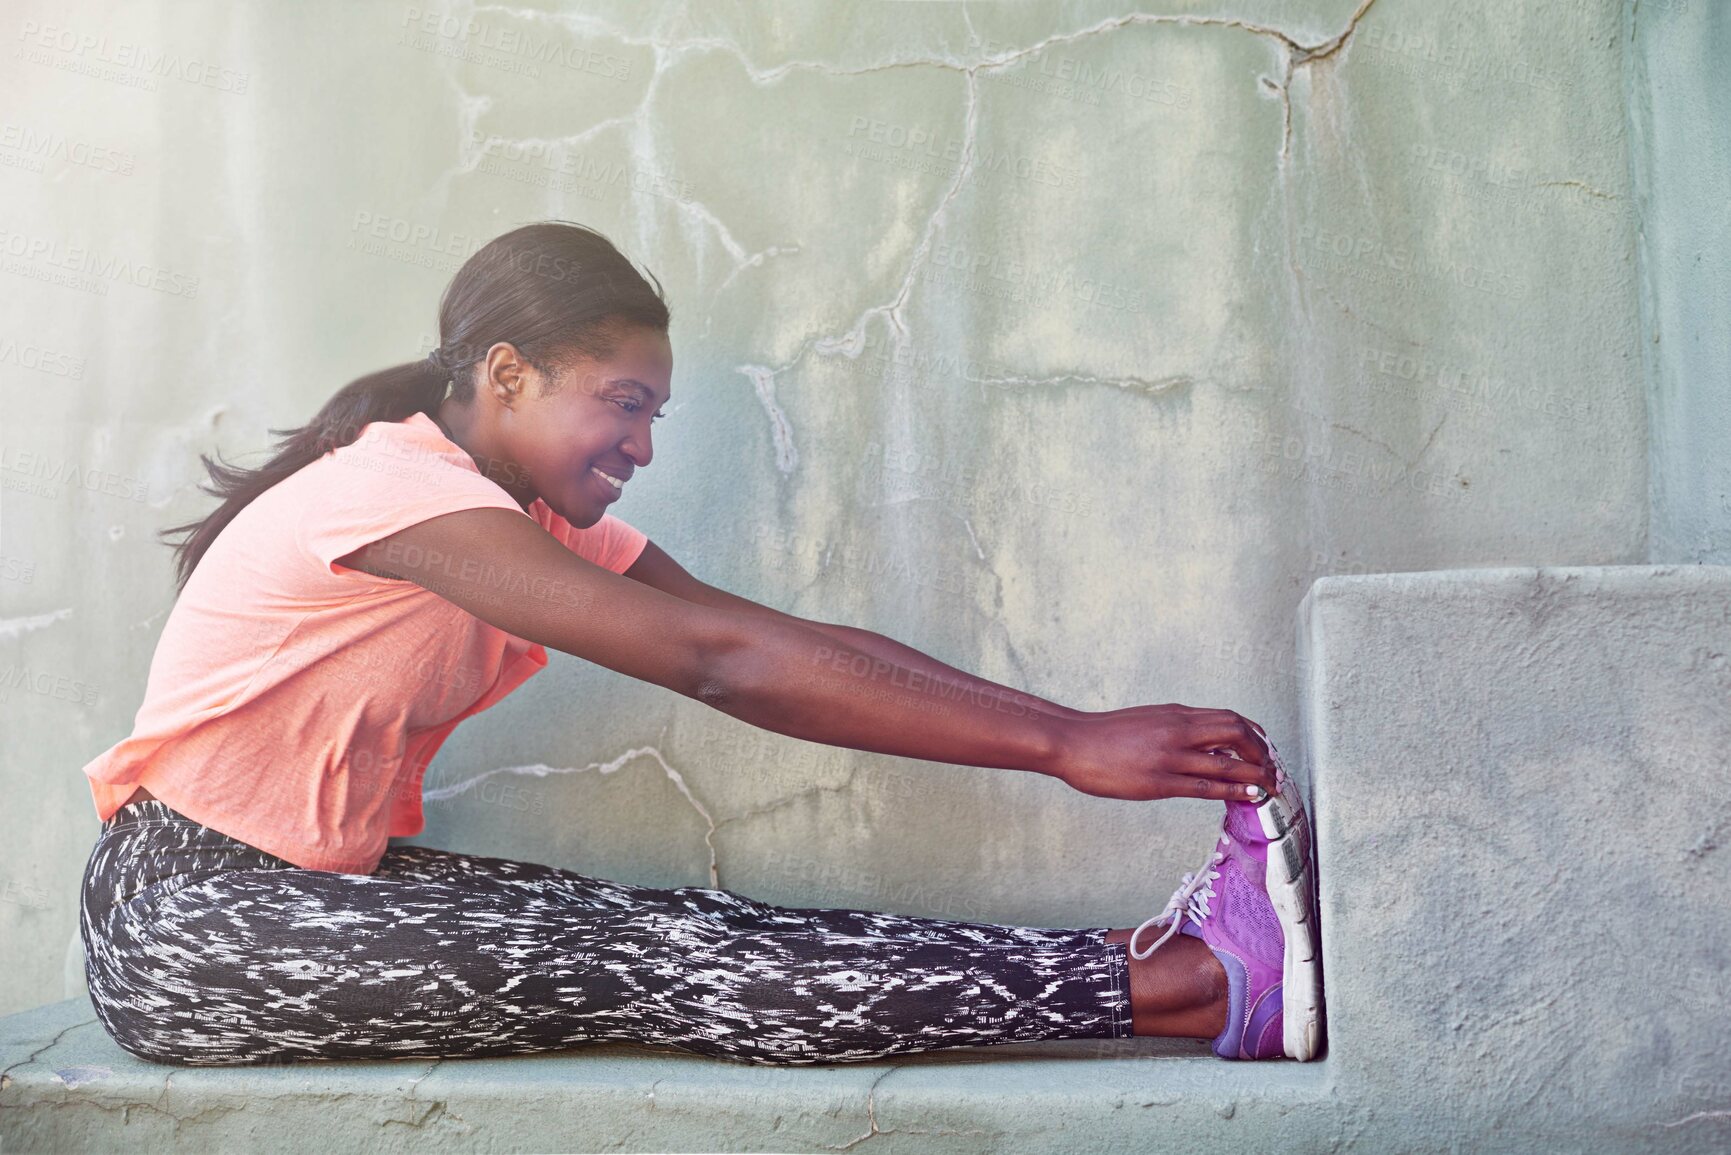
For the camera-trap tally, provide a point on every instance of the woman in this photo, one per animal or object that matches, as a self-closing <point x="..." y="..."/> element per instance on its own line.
<point x="378" y="581"/>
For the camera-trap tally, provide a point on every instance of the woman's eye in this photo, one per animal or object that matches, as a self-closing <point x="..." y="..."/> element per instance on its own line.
<point x="632" y="407"/>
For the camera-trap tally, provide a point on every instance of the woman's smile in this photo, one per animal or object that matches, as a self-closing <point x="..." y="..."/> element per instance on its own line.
<point x="611" y="485"/>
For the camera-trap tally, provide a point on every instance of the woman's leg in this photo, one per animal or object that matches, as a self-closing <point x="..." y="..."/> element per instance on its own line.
<point x="1179" y="992"/>
<point x="204" y="951"/>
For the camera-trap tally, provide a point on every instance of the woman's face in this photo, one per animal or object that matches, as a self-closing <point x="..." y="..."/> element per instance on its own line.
<point x="556" y="447"/>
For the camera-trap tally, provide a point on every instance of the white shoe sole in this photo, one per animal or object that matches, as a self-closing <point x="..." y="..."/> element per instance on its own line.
<point x="1291" y="884"/>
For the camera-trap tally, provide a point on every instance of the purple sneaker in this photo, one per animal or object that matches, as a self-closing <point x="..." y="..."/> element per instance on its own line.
<point x="1253" y="903"/>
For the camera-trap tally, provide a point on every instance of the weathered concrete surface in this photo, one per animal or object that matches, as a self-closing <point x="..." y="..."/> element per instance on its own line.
<point x="1524" y="835"/>
<point x="1233" y="295"/>
<point x="1680" y="159"/>
<point x="67" y="1087"/>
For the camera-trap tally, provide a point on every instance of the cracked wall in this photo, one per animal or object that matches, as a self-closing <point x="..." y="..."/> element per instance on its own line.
<point x="1067" y="344"/>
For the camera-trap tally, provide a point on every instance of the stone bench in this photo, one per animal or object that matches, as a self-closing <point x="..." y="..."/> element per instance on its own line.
<point x="1520" y="784"/>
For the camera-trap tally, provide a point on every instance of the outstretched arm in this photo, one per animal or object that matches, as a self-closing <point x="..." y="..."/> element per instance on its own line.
<point x="1139" y="752"/>
<point x="779" y="673"/>
<point x="654" y="567"/>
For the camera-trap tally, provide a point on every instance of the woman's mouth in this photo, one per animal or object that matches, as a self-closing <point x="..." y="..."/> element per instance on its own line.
<point x="611" y="484"/>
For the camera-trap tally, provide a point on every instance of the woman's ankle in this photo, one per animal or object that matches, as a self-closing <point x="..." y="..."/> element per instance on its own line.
<point x="1179" y="991"/>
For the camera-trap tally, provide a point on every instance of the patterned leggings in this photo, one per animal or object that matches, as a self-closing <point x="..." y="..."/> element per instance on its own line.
<point x="202" y="950"/>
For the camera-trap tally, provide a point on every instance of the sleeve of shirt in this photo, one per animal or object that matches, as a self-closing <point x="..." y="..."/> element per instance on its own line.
<point x="363" y="493"/>
<point x="611" y="543"/>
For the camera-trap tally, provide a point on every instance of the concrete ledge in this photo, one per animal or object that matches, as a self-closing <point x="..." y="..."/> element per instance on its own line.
<point x="1520" y="785"/>
<point x="1523" y="808"/>
<point x="68" y="1087"/>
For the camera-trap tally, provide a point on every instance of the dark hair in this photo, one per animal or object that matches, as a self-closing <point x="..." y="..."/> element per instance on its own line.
<point x="556" y="290"/>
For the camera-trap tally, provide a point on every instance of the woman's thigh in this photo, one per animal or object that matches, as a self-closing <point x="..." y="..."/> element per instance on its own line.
<point x="249" y="966"/>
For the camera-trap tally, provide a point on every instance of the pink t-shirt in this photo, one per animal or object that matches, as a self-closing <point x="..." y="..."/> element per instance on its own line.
<point x="295" y="703"/>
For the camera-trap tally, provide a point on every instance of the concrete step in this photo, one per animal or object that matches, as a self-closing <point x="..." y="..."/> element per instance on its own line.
<point x="1522" y="809"/>
<point x="67" y="1087"/>
<point x="1523" y="806"/>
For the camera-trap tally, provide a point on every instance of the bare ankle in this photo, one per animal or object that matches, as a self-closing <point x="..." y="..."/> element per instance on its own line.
<point x="1179" y="991"/>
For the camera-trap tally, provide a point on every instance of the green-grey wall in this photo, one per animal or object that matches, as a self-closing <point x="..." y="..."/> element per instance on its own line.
<point x="1679" y="107"/>
<point x="1233" y="297"/>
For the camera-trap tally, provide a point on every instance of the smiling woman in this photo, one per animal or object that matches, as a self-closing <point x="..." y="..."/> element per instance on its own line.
<point x="406" y="561"/>
<point x="571" y="434"/>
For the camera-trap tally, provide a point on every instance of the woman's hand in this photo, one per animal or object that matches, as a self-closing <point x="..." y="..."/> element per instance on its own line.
<point x="1168" y="751"/>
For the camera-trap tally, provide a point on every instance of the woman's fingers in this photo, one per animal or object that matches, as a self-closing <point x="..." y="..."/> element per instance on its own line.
<point x="1221" y="791"/>
<point x="1231" y="731"/>
<point x="1220" y="767"/>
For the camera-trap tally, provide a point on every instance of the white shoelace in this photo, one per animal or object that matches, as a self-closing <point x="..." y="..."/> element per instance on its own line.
<point x="1192" y="897"/>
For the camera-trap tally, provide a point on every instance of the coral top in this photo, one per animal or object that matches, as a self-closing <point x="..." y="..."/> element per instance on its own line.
<point x="295" y="703"/>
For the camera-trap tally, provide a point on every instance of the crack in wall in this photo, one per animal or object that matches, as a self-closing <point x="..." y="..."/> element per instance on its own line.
<point x="871" y="1114"/>
<point x="1698" y="1115"/>
<point x="542" y="770"/>
<point x="851" y="343"/>
<point x="780" y="429"/>
<point x="1582" y="185"/>
<point x="1149" y="386"/>
<point x="789" y="800"/>
<point x="667" y="52"/>
<point x="873" y="1130"/>
<point x="16" y="627"/>
<point x="6" y="1075"/>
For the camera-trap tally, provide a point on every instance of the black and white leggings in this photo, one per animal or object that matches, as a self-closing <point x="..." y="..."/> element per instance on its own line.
<point x="202" y="950"/>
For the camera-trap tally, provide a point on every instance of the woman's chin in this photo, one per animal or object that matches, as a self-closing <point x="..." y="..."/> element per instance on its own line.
<point x="582" y="515"/>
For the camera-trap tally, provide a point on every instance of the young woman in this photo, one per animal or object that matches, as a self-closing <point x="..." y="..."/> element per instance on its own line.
<point x="404" y="562"/>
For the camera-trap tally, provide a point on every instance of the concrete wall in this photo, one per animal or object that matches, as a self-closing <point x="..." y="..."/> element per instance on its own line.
<point x="1228" y="299"/>
<point x="1679" y="110"/>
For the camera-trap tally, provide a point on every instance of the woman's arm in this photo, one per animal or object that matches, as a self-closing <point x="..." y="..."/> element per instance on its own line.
<point x="654" y="567"/>
<point x="778" y="673"/>
<point x="1141" y="752"/>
